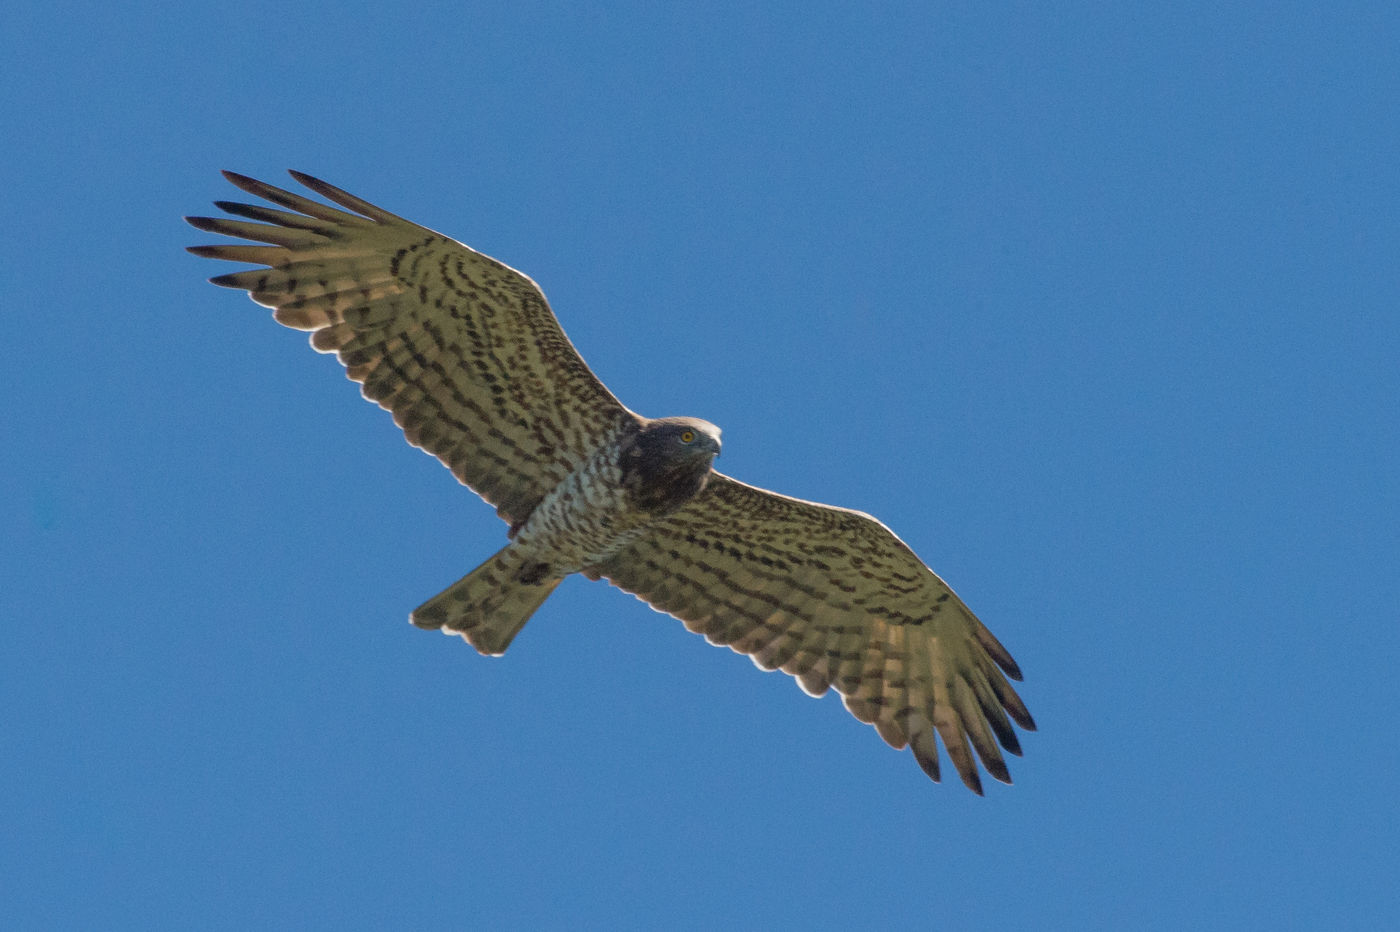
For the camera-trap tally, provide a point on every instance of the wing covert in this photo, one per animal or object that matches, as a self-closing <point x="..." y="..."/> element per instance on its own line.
<point x="834" y="598"/>
<point x="463" y="350"/>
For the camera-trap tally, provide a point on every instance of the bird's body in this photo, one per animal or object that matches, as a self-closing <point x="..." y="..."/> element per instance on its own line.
<point x="605" y="504"/>
<point x="583" y="520"/>
<point x="468" y="357"/>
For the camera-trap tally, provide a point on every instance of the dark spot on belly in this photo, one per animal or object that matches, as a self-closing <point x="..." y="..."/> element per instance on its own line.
<point x="532" y="574"/>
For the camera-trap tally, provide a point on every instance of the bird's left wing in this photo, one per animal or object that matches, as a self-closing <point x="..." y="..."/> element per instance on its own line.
<point x="834" y="598"/>
<point x="463" y="350"/>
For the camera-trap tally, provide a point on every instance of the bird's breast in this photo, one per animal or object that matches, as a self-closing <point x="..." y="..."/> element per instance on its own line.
<point x="585" y="519"/>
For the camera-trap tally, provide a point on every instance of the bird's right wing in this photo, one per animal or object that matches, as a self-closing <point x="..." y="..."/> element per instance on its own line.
<point x="463" y="350"/>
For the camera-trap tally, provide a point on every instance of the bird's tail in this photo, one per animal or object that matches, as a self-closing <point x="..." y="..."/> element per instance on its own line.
<point x="490" y="605"/>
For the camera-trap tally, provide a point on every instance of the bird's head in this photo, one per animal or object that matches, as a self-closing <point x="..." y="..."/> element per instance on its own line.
<point x="668" y="461"/>
<point x="685" y="436"/>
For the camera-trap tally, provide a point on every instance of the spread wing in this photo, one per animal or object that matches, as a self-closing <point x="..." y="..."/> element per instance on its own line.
<point x="834" y="598"/>
<point x="463" y="350"/>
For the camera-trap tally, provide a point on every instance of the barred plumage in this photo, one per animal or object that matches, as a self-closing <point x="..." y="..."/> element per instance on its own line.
<point x="467" y="356"/>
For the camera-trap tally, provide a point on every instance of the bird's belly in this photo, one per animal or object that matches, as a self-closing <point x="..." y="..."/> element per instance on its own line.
<point x="583" y="521"/>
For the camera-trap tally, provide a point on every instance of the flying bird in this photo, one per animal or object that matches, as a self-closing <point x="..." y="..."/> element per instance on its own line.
<point x="472" y="363"/>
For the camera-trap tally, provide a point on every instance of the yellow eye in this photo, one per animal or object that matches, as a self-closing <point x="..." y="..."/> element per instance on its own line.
<point x="688" y="436"/>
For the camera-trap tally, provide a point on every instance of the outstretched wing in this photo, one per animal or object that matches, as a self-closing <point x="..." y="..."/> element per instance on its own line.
<point x="463" y="350"/>
<point x="834" y="598"/>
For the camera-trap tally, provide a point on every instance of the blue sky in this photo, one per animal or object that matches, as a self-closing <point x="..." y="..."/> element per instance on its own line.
<point x="1094" y="304"/>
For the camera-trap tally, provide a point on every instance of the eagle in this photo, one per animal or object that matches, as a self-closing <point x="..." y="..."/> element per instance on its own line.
<point x="467" y="356"/>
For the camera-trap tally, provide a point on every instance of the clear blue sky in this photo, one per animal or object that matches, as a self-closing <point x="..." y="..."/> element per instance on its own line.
<point x="1095" y="304"/>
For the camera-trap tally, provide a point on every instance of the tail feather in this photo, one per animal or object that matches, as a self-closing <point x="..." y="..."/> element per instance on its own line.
<point x="489" y="605"/>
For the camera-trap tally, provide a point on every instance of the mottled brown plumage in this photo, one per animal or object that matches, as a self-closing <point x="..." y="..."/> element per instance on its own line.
<point x="468" y="357"/>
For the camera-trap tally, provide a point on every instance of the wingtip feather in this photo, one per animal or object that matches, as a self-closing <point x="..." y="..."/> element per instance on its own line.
<point x="997" y="651"/>
<point x="238" y="179"/>
<point x="227" y="280"/>
<point x="998" y="771"/>
<point x="972" y="781"/>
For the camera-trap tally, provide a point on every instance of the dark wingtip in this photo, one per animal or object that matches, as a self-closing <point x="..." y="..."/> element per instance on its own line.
<point x="996" y="650"/>
<point x="1006" y="735"/>
<point x="207" y="224"/>
<point x="929" y="765"/>
<point x="1008" y="665"/>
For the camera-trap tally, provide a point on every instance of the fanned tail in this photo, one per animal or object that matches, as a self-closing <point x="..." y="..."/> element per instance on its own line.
<point x="490" y="605"/>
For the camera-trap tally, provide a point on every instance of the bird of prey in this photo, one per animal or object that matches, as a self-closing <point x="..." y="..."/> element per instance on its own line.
<point x="472" y="363"/>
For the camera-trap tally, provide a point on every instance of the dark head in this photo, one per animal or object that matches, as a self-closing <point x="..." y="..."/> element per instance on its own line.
<point x="667" y="462"/>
